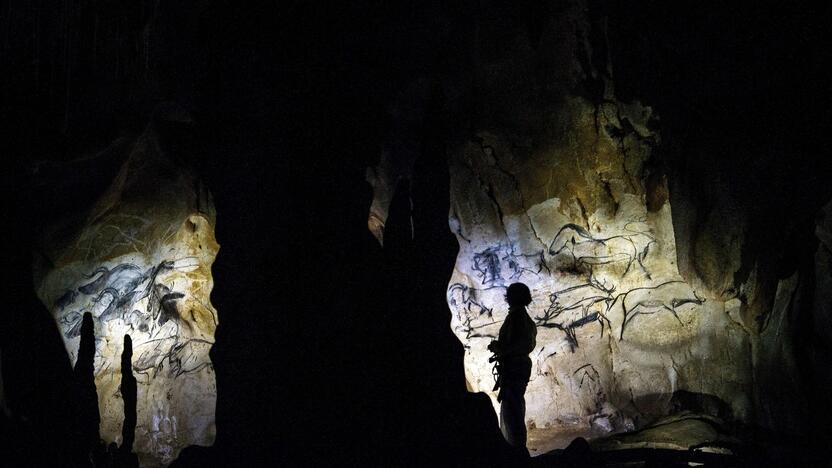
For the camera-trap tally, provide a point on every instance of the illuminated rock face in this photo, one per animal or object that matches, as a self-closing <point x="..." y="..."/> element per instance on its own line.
<point x="557" y="193"/>
<point x="140" y="262"/>
<point x="619" y="329"/>
<point x="643" y="309"/>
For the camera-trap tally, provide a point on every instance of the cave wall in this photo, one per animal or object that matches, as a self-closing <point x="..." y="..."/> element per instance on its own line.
<point x="291" y="108"/>
<point x="632" y="221"/>
<point x="559" y="195"/>
<point x="139" y="260"/>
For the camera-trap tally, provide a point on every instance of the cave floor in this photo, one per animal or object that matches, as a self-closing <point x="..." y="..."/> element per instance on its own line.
<point x="547" y="439"/>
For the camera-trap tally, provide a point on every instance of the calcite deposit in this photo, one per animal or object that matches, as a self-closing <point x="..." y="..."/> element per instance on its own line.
<point x="139" y="261"/>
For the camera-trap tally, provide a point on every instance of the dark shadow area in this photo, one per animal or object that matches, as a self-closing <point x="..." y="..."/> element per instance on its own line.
<point x="39" y="386"/>
<point x="448" y="424"/>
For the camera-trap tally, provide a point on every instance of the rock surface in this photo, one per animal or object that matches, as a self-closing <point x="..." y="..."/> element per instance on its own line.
<point x="554" y="183"/>
<point x="684" y="431"/>
<point x="619" y="328"/>
<point x="140" y="261"/>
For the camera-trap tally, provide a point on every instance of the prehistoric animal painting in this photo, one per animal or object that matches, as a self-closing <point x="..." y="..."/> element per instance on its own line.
<point x="146" y="307"/>
<point x="579" y="249"/>
<point x="471" y="314"/>
<point x="665" y="297"/>
<point x="586" y="298"/>
<point x="501" y="265"/>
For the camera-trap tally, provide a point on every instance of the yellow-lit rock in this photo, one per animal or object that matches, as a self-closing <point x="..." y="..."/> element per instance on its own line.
<point x="556" y="182"/>
<point x="619" y="328"/>
<point x="557" y="194"/>
<point x="140" y="262"/>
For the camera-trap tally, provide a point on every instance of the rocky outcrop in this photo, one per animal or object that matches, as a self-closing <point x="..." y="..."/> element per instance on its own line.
<point x="139" y="260"/>
<point x="556" y="183"/>
<point x="572" y="208"/>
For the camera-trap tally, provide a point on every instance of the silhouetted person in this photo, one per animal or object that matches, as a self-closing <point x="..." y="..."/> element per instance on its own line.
<point x="129" y="394"/>
<point x="89" y="417"/>
<point x="511" y="349"/>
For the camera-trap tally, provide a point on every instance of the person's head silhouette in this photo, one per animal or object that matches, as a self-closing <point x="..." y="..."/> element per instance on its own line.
<point x="518" y="295"/>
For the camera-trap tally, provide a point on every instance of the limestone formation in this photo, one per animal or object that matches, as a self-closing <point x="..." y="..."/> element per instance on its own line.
<point x="619" y="328"/>
<point x="140" y="261"/>
<point x="554" y="184"/>
<point x="684" y="431"/>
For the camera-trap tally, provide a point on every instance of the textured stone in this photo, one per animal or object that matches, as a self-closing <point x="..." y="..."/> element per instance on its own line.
<point x="557" y="193"/>
<point x="652" y="279"/>
<point x="140" y="261"/>
<point x="718" y="247"/>
<point x="684" y="431"/>
<point x="775" y="363"/>
<point x="619" y="329"/>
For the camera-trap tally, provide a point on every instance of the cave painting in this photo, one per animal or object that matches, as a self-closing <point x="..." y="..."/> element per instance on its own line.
<point x="574" y="306"/>
<point x="555" y="182"/>
<point x="139" y="261"/>
<point x="142" y="304"/>
<point x="620" y="330"/>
